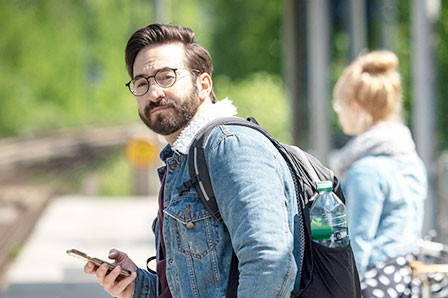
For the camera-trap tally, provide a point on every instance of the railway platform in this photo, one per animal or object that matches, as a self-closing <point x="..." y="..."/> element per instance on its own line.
<point x="94" y="225"/>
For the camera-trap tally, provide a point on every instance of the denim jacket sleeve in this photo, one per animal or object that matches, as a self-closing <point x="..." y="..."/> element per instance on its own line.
<point x="145" y="285"/>
<point x="365" y="193"/>
<point x="248" y="177"/>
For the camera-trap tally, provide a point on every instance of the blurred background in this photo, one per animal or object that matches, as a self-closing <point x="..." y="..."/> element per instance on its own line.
<point x="70" y="132"/>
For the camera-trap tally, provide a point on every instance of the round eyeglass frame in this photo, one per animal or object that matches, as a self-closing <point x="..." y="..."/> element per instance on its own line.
<point x="128" y="84"/>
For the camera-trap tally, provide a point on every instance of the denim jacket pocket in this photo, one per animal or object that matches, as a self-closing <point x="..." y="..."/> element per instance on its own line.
<point x="196" y="231"/>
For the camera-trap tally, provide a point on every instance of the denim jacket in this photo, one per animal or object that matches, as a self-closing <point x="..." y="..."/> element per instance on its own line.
<point x="385" y="185"/>
<point x="256" y="197"/>
<point x="385" y="201"/>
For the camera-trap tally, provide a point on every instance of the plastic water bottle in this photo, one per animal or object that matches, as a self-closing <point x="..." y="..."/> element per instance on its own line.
<point x="328" y="218"/>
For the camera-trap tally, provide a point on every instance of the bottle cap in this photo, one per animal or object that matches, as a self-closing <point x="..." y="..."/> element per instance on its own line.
<point x="324" y="185"/>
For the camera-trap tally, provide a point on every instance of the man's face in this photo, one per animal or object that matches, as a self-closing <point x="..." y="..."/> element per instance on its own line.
<point x="166" y="110"/>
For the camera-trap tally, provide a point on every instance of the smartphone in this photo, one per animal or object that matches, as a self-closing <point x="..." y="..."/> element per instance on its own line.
<point x="98" y="262"/>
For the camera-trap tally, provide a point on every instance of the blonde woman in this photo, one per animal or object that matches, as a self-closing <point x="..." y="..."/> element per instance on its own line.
<point x="384" y="180"/>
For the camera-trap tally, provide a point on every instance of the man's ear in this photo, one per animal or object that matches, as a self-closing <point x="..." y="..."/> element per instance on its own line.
<point x="205" y="85"/>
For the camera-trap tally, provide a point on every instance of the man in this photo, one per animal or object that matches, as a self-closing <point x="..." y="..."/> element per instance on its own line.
<point x="171" y="79"/>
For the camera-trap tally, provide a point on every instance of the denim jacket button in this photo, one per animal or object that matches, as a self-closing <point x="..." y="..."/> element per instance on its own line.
<point x="171" y="261"/>
<point x="190" y="225"/>
<point x="174" y="166"/>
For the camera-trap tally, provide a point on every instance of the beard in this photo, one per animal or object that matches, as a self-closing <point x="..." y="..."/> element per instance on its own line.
<point x="167" y="122"/>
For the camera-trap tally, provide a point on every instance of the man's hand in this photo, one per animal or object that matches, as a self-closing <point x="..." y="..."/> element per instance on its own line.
<point x="123" y="288"/>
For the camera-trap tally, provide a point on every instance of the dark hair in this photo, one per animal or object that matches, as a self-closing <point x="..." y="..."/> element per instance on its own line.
<point x="198" y="59"/>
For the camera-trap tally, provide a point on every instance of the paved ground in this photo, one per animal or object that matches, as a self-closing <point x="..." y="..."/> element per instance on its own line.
<point x="93" y="225"/>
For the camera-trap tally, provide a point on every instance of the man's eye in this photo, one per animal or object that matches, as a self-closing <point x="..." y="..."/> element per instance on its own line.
<point x="140" y="84"/>
<point x="167" y="77"/>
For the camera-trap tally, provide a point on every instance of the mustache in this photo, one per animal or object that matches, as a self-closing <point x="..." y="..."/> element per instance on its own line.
<point x="162" y="102"/>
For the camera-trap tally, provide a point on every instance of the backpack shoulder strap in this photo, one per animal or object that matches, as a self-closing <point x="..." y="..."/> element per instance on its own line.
<point x="305" y="163"/>
<point x="197" y="165"/>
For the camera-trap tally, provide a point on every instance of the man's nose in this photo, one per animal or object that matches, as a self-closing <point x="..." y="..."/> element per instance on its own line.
<point x="155" y="92"/>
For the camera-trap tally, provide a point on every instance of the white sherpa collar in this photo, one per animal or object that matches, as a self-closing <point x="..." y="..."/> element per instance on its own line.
<point x="223" y="108"/>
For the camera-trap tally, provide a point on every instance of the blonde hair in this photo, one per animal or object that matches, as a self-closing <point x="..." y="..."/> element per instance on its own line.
<point x="374" y="83"/>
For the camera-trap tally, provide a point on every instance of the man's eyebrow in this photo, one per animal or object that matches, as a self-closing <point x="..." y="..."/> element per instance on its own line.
<point x="139" y="76"/>
<point x="156" y="70"/>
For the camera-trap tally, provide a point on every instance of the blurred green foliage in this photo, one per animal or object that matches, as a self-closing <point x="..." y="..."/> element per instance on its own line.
<point x="247" y="37"/>
<point x="262" y="96"/>
<point x="115" y="176"/>
<point x="403" y="51"/>
<point x="62" y="63"/>
<point x="442" y="74"/>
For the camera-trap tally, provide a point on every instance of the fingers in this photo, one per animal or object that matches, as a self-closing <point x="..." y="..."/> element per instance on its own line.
<point x="115" y="284"/>
<point x="109" y="280"/>
<point x="122" y="285"/>
<point x="89" y="268"/>
<point x="125" y="282"/>
<point x="101" y="273"/>
<point x="122" y="259"/>
<point x="117" y="255"/>
<point x="113" y="252"/>
<point x="113" y="287"/>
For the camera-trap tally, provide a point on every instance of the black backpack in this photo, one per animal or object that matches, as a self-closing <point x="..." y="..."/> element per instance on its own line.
<point x="326" y="272"/>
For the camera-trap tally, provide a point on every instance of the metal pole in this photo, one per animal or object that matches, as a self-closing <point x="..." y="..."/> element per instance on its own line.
<point x="358" y="26"/>
<point x="318" y="68"/>
<point x="389" y="11"/>
<point x="423" y="97"/>
<point x="294" y="67"/>
<point x="442" y="203"/>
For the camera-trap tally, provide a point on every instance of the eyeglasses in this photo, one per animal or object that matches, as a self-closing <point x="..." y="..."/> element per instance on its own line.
<point x="165" y="78"/>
